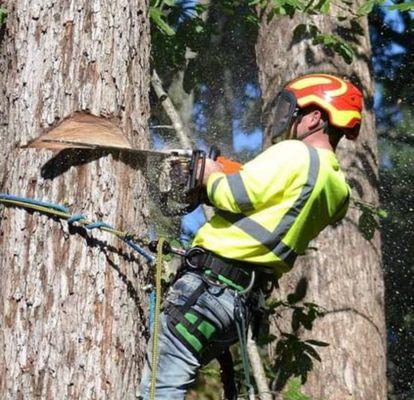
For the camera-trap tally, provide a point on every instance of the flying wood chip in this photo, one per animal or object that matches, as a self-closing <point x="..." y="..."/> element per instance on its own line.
<point x="82" y="130"/>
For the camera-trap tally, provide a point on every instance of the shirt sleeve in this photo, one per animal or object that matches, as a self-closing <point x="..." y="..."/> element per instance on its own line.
<point x="261" y="181"/>
<point x="342" y="210"/>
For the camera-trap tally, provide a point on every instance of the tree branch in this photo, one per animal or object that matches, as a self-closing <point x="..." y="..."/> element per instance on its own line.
<point x="171" y="111"/>
<point x="257" y="368"/>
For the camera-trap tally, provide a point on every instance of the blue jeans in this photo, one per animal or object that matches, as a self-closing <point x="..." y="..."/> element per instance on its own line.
<point x="177" y="366"/>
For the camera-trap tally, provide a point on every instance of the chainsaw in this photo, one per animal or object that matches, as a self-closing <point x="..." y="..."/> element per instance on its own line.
<point x="176" y="182"/>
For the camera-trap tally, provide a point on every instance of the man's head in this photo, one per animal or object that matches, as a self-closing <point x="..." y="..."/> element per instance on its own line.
<point x="318" y="102"/>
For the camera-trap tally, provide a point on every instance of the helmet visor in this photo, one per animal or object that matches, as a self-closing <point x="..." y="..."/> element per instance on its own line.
<point x="284" y="111"/>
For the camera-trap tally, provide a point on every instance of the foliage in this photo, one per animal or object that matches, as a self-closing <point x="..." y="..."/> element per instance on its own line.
<point x="393" y="65"/>
<point x="368" y="221"/>
<point x="3" y="15"/>
<point x="294" y="356"/>
<point x="217" y="64"/>
<point x="179" y="25"/>
<point x="3" y="18"/>
<point x="332" y="42"/>
<point x="403" y="6"/>
<point x="208" y="384"/>
<point x="292" y="391"/>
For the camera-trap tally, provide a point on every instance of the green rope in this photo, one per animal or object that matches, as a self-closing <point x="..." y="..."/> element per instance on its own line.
<point x="154" y="355"/>
<point x="242" y="334"/>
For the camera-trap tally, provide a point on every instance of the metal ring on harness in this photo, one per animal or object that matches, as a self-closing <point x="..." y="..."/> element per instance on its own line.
<point x="250" y="286"/>
<point x="191" y="252"/>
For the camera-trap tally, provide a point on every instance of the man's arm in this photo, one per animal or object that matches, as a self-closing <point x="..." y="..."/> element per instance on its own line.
<point x="259" y="182"/>
<point x="211" y="167"/>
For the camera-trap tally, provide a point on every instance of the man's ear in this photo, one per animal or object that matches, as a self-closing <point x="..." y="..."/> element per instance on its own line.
<point x="315" y="119"/>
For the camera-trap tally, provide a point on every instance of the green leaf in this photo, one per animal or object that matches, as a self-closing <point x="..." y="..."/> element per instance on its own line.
<point x="382" y="213"/>
<point x="313" y="30"/>
<point x="170" y="3"/>
<point x="299" y="293"/>
<point x="296" y="319"/>
<point x="157" y="17"/>
<point x="265" y="339"/>
<point x="366" y="8"/>
<point x="3" y="16"/>
<point x="272" y="304"/>
<point x="292" y="391"/>
<point x="323" y="6"/>
<point x="307" y="321"/>
<point x="367" y="225"/>
<point x="312" y="352"/>
<point x="402" y="7"/>
<point x="317" y="343"/>
<point x="299" y="33"/>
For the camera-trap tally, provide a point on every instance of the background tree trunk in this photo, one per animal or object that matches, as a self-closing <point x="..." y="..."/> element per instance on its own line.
<point x="71" y="304"/>
<point x="344" y="274"/>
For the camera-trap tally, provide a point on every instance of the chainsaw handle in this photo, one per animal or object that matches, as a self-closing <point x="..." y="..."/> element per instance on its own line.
<point x="229" y="166"/>
<point x="214" y="152"/>
<point x="197" y="168"/>
<point x="196" y="193"/>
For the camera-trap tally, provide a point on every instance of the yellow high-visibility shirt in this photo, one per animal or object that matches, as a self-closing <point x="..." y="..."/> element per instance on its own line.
<point x="269" y="212"/>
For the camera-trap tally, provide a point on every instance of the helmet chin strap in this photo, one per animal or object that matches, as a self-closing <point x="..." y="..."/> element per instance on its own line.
<point x="305" y="135"/>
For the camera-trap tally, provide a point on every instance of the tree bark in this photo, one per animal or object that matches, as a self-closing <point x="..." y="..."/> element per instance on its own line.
<point x="71" y="306"/>
<point x="344" y="274"/>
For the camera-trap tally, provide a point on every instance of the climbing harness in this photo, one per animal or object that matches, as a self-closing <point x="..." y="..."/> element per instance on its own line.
<point x="195" y="331"/>
<point x="218" y="269"/>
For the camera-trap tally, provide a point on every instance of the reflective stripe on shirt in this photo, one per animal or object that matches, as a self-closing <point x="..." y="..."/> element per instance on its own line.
<point x="273" y="240"/>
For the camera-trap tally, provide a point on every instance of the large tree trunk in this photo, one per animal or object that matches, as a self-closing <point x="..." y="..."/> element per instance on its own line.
<point x="71" y="304"/>
<point x="344" y="274"/>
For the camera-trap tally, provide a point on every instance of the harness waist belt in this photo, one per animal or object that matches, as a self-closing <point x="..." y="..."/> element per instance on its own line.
<point x="225" y="271"/>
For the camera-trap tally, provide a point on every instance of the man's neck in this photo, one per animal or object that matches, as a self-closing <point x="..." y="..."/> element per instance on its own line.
<point x="319" y="140"/>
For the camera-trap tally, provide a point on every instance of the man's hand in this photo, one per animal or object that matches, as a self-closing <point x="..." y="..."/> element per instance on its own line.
<point x="211" y="167"/>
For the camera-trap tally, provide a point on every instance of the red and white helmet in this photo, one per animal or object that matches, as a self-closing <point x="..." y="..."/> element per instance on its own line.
<point x="339" y="98"/>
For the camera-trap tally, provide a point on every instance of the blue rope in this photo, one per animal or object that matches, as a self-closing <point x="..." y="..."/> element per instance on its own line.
<point x="151" y="309"/>
<point x="76" y="218"/>
<point x="149" y="257"/>
<point x="94" y="225"/>
<point x="97" y="225"/>
<point x="54" y="206"/>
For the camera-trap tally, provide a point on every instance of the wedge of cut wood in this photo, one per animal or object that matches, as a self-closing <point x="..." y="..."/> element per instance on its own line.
<point x="82" y="130"/>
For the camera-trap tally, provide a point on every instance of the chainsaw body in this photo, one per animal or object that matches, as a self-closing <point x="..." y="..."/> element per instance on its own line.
<point x="180" y="177"/>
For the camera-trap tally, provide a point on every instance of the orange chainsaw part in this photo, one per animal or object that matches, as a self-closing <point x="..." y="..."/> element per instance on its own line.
<point x="229" y="166"/>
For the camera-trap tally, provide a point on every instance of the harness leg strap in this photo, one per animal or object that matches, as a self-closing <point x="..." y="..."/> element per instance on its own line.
<point x="193" y="329"/>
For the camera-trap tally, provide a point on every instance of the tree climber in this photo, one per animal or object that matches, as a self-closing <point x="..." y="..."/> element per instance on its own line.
<point x="266" y="216"/>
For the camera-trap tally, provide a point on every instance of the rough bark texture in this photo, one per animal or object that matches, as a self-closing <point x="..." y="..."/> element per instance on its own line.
<point x="71" y="304"/>
<point x="344" y="274"/>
